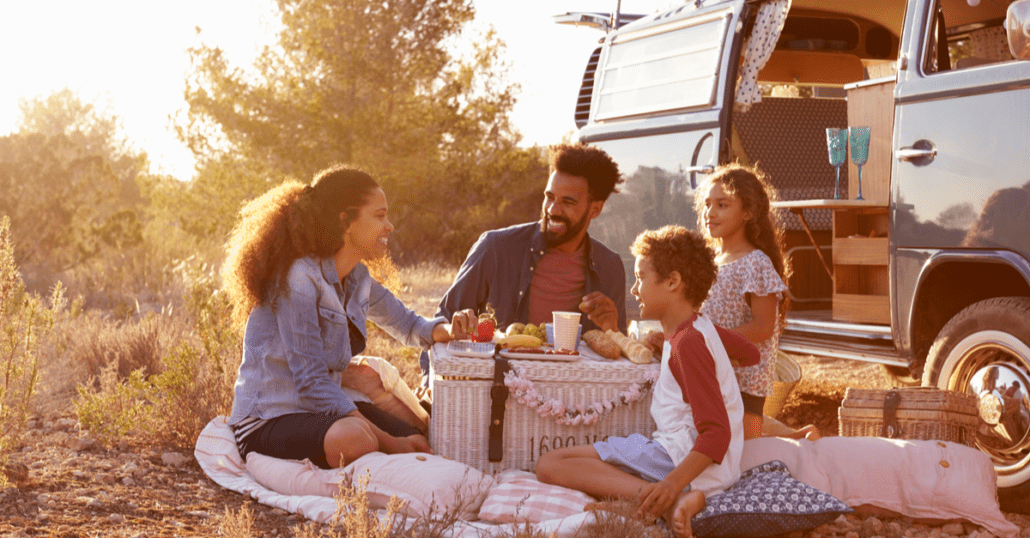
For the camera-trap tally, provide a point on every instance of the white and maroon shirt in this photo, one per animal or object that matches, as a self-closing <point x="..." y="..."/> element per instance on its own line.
<point x="696" y="403"/>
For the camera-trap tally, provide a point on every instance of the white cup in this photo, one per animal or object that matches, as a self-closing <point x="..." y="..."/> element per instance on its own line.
<point x="566" y="329"/>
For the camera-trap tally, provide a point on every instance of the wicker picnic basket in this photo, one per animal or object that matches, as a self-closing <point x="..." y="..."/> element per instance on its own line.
<point x="787" y="376"/>
<point x="921" y="413"/>
<point x="462" y="401"/>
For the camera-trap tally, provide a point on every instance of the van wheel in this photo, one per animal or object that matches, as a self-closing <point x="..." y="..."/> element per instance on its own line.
<point x="899" y="376"/>
<point x="985" y="351"/>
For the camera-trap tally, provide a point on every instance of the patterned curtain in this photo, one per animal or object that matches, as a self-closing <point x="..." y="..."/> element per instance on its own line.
<point x="768" y="25"/>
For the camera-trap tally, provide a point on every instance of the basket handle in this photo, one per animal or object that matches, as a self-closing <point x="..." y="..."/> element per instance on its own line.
<point x="891" y="429"/>
<point x="498" y="397"/>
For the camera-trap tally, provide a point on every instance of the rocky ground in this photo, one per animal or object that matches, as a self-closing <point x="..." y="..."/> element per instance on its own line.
<point x="65" y="485"/>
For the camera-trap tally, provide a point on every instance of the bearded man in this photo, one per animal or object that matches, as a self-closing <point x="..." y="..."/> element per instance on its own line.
<point x="527" y="271"/>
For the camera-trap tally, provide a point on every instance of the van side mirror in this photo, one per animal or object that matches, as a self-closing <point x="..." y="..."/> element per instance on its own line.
<point x="1017" y="26"/>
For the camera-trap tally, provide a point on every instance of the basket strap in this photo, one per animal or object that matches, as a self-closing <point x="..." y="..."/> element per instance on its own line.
<point x="498" y="398"/>
<point x="890" y="429"/>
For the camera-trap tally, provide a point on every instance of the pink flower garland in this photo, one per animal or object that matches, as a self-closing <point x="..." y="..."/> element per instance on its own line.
<point x="568" y="415"/>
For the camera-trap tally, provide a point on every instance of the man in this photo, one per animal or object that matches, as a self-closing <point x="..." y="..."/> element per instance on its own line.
<point x="527" y="271"/>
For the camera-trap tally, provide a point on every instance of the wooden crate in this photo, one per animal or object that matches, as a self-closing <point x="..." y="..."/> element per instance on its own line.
<point x="871" y="104"/>
<point x="459" y="425"/>
<point x="923" y="413"/>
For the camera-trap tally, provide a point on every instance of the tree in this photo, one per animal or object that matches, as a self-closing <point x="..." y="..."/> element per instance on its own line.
<point x="377" y="85"/>
<point x="69" y="185"/>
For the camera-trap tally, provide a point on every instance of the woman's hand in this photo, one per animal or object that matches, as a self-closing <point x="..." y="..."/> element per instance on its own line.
<point x="461" y="326"/>
<point x="404" y="445"/>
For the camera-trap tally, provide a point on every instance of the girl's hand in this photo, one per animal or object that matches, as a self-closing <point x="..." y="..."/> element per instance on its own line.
<point x="655" y="500"/>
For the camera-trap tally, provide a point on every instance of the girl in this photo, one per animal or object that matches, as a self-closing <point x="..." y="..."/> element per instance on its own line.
<point x="748" y="295"/>
<point x="294" y="275"/>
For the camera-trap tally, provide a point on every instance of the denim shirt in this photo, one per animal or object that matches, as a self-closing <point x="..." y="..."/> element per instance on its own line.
<point x="293" y="355"/>
<point x="499" y="270"/>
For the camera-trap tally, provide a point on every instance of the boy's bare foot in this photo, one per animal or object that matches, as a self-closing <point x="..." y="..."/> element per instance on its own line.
<point x="686" y="506"/>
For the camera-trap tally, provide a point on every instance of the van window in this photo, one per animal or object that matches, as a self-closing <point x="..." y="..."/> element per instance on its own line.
<point x="973" y="36"/>
<point x="664" y="68"/>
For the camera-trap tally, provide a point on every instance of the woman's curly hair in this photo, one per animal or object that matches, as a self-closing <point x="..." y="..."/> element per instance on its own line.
<point x="290" y="221"/>
<point x="750" y="186"/>
<point x="675" y="248"/>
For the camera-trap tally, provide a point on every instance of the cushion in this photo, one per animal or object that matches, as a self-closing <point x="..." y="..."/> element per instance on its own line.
<point x="426" y="483"/>
<point x="766" y="501"/>
<point x="926" y="480"/>
<point x="518" y="497"/>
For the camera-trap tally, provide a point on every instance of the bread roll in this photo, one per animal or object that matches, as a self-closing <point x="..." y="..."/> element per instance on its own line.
<point x="633" y="350"/>
<point x="602" y="344"/>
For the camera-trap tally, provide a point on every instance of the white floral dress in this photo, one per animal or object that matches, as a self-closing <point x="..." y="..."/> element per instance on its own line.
<point x="727" y="307"/>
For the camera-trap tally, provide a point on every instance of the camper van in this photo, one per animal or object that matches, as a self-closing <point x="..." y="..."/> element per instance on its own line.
<point x="918" y="260"/>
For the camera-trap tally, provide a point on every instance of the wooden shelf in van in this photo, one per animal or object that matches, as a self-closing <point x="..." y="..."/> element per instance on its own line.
<point x="827" y="204"/>
<point x="860" y="251"/>
<point x="858" y="308"/>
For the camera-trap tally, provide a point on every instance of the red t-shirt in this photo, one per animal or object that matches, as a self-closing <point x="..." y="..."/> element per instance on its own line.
<point x="558" y="285"/>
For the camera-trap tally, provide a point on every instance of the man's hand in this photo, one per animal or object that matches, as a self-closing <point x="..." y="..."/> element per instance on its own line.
<point x="655" y="499"/>
<point x="601" y="310"/>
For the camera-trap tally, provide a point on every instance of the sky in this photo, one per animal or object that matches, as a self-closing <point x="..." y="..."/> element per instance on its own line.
<point x="129" y="56"/>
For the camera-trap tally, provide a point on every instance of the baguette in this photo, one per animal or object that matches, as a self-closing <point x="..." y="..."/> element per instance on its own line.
<point x="602" y="344"/>
<point x="633" y="350"/>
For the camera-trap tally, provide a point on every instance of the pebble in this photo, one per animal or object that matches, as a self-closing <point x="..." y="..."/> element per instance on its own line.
<point x="128" y="481"/>
<point x="872" y="526"/>
<point x="79" y="444"/>
<point x="116" y="518"/>
<point x="65" y="424"/>
<point x="174" y="459"/>
<point x="106" y="478"/>
<point x="79" y="474"/>
<point x="954" y="529"/>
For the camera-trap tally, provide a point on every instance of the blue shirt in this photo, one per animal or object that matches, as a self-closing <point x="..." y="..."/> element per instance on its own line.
<point x="293" y="355"/>
<point x="499" y="270"/>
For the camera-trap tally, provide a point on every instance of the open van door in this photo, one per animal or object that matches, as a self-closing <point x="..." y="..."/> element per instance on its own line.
<point x="654" y="99"/>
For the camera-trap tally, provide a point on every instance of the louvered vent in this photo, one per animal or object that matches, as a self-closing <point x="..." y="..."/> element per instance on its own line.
<point x="587" y="89"/>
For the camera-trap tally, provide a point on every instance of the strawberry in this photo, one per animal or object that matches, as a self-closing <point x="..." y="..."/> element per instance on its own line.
<point x="487" y="324"/>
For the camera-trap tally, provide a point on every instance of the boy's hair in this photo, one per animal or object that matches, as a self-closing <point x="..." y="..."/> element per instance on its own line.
<point x="763" y="231"/>
<point x="590" y="163"/>
<point x="675" y="248"/>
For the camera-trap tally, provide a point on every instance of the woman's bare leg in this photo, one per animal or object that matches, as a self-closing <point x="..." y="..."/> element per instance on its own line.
<point x="347" y="440"/>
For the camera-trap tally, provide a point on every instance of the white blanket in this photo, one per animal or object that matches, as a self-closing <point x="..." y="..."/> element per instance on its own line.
<point x="219" y="458"/>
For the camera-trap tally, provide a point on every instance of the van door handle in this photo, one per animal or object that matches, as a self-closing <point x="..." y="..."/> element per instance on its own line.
<point x="921" y="153"/>
<point x="704" y="169"/>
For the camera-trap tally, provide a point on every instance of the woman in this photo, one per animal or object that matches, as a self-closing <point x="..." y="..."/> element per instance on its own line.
<point x="295" y="277"/>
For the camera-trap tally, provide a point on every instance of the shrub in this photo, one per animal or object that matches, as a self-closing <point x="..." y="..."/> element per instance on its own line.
<point x="25" y="322"/>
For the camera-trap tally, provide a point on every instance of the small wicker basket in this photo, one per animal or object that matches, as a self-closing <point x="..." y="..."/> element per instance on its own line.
<point x="788" y="374"/>
<point x="923" y="413"/>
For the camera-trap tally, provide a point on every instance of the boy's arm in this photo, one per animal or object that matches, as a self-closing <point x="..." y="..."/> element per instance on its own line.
<point x="694" y="372"/>
<point x="739" y="349"/>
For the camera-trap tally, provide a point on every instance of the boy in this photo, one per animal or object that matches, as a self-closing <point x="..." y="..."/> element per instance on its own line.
<point x="696" y="404"/>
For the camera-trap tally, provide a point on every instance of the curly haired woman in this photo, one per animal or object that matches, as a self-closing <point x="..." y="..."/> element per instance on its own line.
<point x="295" y="278"/>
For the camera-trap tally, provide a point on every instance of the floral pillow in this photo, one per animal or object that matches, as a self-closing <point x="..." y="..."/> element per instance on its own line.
<point x="766" y="501"/>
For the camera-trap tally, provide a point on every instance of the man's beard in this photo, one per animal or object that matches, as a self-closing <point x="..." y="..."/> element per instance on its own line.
<point x="571" y="229"/>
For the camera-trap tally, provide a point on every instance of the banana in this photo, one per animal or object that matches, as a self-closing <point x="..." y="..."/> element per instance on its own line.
<point x="519" y="340"/>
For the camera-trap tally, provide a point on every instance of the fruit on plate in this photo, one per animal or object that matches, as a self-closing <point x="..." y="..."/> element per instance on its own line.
<point x="515" y="328"/>
<point x="519" y="340"/>
<point x="486" y="326"/>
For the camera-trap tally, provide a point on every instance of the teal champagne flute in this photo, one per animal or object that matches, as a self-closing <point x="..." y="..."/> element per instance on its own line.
<point x="859" y="151"/>
<point x="837" y="145"/>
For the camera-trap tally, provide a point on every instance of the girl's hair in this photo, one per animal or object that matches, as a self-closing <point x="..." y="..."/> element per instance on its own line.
<point x="286" y="223"/>
<point x="750" y="186"/>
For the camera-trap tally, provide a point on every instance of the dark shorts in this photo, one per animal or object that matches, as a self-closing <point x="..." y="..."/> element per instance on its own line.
<point x="753" y="405"/>
<point x="302" y="435"/>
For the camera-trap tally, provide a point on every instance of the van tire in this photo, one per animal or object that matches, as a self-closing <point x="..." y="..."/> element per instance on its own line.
<point x="991" y="332"/>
